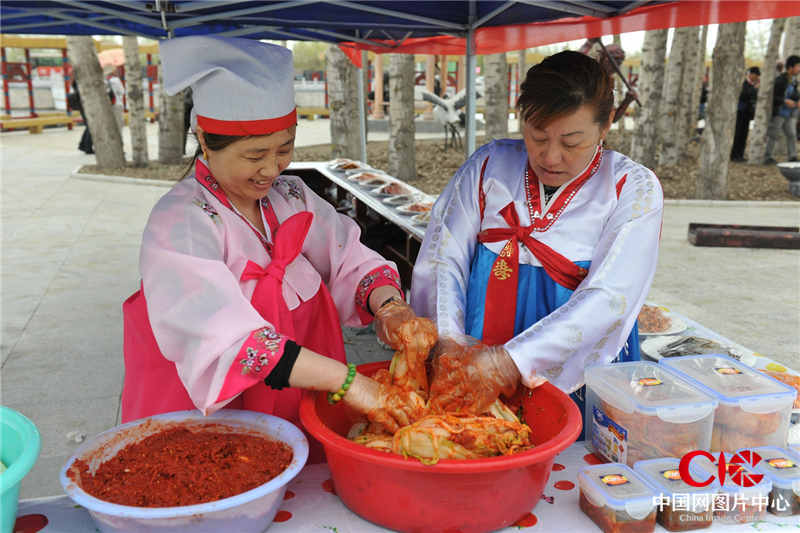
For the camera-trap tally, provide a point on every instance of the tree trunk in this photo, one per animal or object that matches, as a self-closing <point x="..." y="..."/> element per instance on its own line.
<point x="170" y="125"/>
<point x="619" y="87"/>
<point x="699" y="74"/>
<point x="791" y="43"/>
<point x="496" y="99"/>
<point x="651" y="81"/>
<point x="136" y="115"/>
<point x="757" y="139"/>
<point x="723" y="96"/>
<point x="343" y="103"/>
<point x="402" y="156"/>
<point x="691" y="80"/>
<point x="96" y="104"/>
<point x="521" y="70"/>
<point x="671" y="111"/>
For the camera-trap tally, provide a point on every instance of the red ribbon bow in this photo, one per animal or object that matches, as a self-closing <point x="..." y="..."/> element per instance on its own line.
<point x="501" y="290"/>
<point x="268" y="294"/>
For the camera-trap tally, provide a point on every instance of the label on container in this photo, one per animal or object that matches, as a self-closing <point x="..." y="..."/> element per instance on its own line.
<point x="780" y="463"/>
<point x="613" y="480"/>
<point x="609" y="439"/>
<point x="727" y="370"/>
<point x="671" y="474"/>
<point x="649" y="382"/>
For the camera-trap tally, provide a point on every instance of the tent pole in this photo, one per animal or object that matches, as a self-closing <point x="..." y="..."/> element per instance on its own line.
<point x="362" y="115"/>
<point x="471" y="100"/>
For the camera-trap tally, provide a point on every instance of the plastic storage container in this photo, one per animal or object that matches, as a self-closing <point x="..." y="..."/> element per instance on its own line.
<point x="471" y="495"/>
<point x="754" y="409"/>
<point x="640" y="410"/>
<point x="735" y="502"/>
<point x="682" y="507"/>
<point x="249" y="512"/>
<point x="19" y="448"/>
<point x="782" y="467"/>
<point x="617" y="499"/>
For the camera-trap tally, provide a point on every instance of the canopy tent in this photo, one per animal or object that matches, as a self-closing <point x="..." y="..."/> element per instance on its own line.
<point x="457" y="26"/>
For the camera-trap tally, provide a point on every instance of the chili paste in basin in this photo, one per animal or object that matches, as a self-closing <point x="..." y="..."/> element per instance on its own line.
<point x="180" y="466"/>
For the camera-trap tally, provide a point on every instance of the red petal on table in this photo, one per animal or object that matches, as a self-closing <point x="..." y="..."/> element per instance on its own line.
<point x="528" y="520"/>
<point x="282" y="516"/>
<point x="592" y="459"/>
<point x="564" y="485"/>
<point x="288" y="495"/>
<point x="30" y="523"/>
<point x="327" y="486"/>
<point x="558" y="466"/>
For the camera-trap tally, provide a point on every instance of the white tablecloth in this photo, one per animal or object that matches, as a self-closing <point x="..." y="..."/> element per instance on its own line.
<point x="311" y="506"/>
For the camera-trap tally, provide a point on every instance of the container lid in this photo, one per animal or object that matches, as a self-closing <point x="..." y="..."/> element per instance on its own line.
<point x="617" y="486"/>
<point x="733" y="382"/>
<point x="651" y="389"/>
<point x="701" y="467"/>
<point x="780" y="465"/>
<point x="664" y="477"/>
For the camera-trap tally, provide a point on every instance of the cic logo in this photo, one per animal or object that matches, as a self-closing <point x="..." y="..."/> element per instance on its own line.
<point x="738" y="475"/>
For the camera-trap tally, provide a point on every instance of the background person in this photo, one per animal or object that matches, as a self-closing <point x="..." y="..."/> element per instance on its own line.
<point x="543" y="248"/>
<point x="745" y="112"/>
<point x="246" y="273"/>
<point x="784" y="111"/>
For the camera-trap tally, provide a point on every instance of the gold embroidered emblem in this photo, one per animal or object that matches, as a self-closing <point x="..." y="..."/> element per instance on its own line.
<point x="507" y="250"/>
<point x="501" y="270"/>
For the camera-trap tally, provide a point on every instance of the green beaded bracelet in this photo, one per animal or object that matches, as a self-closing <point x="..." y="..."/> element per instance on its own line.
<point x="334" y="397"/>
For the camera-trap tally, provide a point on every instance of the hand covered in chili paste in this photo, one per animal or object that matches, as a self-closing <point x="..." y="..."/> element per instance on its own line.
<point x="389" y="319"/>
<point x="469" y="376"/>
<point x="385" y="404"/>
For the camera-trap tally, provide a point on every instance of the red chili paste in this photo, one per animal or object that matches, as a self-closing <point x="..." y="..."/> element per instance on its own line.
<point x="177" y="466"/>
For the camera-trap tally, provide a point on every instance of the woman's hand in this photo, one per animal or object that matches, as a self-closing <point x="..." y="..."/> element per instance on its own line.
<point x="384" y="404"/>
<point x="469" y="378"/>
<point x="388" y="320"/>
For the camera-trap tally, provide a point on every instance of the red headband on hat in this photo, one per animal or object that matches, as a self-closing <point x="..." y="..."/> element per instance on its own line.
<point x="247" y="127"/>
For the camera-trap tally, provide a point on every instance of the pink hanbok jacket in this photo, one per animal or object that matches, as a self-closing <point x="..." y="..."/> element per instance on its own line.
<point x="219" y="300"/>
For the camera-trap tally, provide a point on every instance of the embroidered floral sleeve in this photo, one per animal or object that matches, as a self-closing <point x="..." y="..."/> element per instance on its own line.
<point x="259" y="354"/>
<point x="375" y="278"/>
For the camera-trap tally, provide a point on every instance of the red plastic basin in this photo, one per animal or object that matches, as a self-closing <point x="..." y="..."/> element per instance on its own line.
<point x="450" y="496"/>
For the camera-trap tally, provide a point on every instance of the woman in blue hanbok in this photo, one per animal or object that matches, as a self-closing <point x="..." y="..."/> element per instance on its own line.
<point x="542" y="248"/>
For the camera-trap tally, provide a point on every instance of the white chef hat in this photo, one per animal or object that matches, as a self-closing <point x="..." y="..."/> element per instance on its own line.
<point x="239" y="86"/>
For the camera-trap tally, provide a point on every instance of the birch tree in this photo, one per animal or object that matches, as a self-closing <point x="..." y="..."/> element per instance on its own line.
<point x="106" y="136"/>
<point x="699" y="74"/>
<point x="757" y="140"/>
<point x="495" y="112"/>
<point x="170" y="125"/>
<point x="520" y="78"/>
<point x="791" y="43"/>
<point x="651" y="80"/>
<point x="402" y="156"/>
<point x="723" y="95"/>
<point x="619" y="86"/>
<point x="687" y="114"/>
<point x="136" y="114"/>
<point x="342" y="78"/>
<point x="671" y="116"/>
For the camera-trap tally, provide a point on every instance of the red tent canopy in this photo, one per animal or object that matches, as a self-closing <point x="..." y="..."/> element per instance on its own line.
<point x="496" y="39"/>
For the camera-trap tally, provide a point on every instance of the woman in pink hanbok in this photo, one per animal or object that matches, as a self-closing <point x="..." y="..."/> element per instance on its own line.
<point x="247" y="275"/>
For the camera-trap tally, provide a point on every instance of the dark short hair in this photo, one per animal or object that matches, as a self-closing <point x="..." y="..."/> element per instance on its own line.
<point x="754" y="70"/>
<point x="562" y="83"/>
<point x="791" y="61"/>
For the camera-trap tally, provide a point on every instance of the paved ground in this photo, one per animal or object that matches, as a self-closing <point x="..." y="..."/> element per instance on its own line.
<point x="70" y="255"/>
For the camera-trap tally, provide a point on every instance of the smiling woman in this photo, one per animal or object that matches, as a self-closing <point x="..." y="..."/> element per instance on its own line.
<point x="246" y="273"/>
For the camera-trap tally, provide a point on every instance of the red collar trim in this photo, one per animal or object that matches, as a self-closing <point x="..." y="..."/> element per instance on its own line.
<point x="544" y="220"/>
<point x="248" y="127"/>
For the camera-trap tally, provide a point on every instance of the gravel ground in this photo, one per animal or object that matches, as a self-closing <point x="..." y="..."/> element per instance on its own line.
<point x="435" y="167"/>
